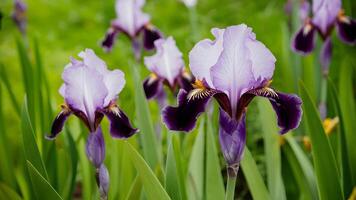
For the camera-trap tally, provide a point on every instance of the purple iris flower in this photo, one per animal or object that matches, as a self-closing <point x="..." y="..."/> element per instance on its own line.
<point x="327" y="14"/>
<point x="167" y="67"/>
<point x="234" y="68"/>
<point x="90" y="91"/>
<point x="19" y="15"/>
<point x="132" y="22"/>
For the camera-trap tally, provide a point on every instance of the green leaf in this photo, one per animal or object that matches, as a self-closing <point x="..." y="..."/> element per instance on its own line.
<point x="346" y="175"/>
<point x="302" y="169"/>
<point x="29" y="142"/>
<point x="214" y="185"/>
<point x="8" y="193"/>
<point x="272" y="150"/>
<point x="42" y="187"/>
<point x="172" y="179"/>
<point x="195" y="184"/>
<point x="7" y="84"/>
<point x="253" y="177"/>
<point x="152" y="187"/>
<point x="348" y="112"/>
<point x="147" y="133"/>
<point x="135" y="190"/>
<point x="328" y="178"/>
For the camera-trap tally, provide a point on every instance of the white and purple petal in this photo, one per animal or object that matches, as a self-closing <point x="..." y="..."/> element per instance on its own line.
<point x="325" y="13"/>
<point x="205" y="54"/>
<point x="130" y="18"/>
<point x="168" y="62"/>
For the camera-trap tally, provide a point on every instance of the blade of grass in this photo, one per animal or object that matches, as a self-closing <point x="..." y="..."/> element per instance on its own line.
<point x="29" y="142"/>
<point x="214" y="185"/>
<point x="5" y="80"/>
<point x="7" y="192"/>
<point x="253" y="177"/>
<point x="195" y="184"/>
<point x="328" y="178"/>
<point x="172" y="179"/>
<point x="271" y="140"/>
<point x="42" y="187"/>
<point x="147" y="133"/>
<point x="152" y="187"/>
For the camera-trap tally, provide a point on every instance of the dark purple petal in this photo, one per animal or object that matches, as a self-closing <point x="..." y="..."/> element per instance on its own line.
<point x="185" y="81"/>
<point x="304" y="40"/>
<point x="346" y="28"/>
<point x="120" y="126"/>
<point x="58" y="122"/>
<point x="232" y="137"/>
<point x="109" y="39"/>
<point x="288" y="110"/>
<point x="150" y="34"/>
<point x="152" y="85"/>
<point x="95" y="147"/>
<point x="103" y="181"/>
<point x="325" y="55"/>
<point x="184" y="116"/>
<point x="19" y="15"/>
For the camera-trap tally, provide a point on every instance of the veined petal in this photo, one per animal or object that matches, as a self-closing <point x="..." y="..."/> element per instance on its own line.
<point x="152" y="85"/>
<point x="95" y="147"/>
<point x="130" y="17"/>
<point x="346" y="28"/>
<point x="232" y="137"/>
<point x="167" y="63"/>
<point x="120" y="126"/>
<point x="205" y="54"/>
<point x="236" y="68"/>
<point x="325" y="13"/>
<point x="304" y="40"/>
<point x="84" y="89"/>
<point x="58" y="122"/>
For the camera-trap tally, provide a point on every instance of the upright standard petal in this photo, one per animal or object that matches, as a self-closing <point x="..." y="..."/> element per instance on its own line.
<point x="120" y="126"/>
<point x="232" y="137"/>
<point x="304" y="40"/>
<point x="346" y="28"/>
<point x="95" y="147"/>
<point x="84" y="90"/>
<point x="167" y="63"/>
<point x="304" y="9"/>
<point x="205" y="54"/>
<point x="130" y="18"/>
<point x="325" y="13"/>
<point x="236" y="68"/>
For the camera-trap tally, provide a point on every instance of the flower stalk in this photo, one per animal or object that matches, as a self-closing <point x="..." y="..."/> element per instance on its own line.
<point x="231" y="182"/>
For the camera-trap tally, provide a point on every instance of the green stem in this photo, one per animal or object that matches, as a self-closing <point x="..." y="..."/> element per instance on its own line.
<point x="231" y="182"/>
<point x="193" y="18"/>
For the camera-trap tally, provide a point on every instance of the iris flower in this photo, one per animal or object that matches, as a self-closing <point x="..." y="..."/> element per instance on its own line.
<point x="131" y="21"/>
<point x="327" y="14"/>
<point x="167" y="67"/>
<point x="90" y="91"/>
<point x="19" y="15"/>
<point x="234" y="68"/>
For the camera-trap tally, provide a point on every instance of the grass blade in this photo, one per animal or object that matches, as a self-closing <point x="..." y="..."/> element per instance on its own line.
<point x="272" y="150"/>
<point x="8" y="193"/>
<point x="42" y="187"/>
<point x="328" y="178"/>
<point x="152" y="187"/>
<point x="172" y="179"/>
<point x="253" y="177"/>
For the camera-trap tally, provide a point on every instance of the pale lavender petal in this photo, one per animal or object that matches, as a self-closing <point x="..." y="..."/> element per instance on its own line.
<point x="325" y="55"/>
<point x="325" y="13"/>
<point x="95" y="147"/>
<point x="168" y="62"/>
<point x="84" y="90"/>
<point x="205" y="54"/>
<point x="232" y="137"/>
<point x="189" y="3"/>
<point x="130" y="17"/>
<point x="234" y="71"/>
<point x="113" y="80"/>
<point x="346" y="28"/>
<point x="304" y="9"/>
